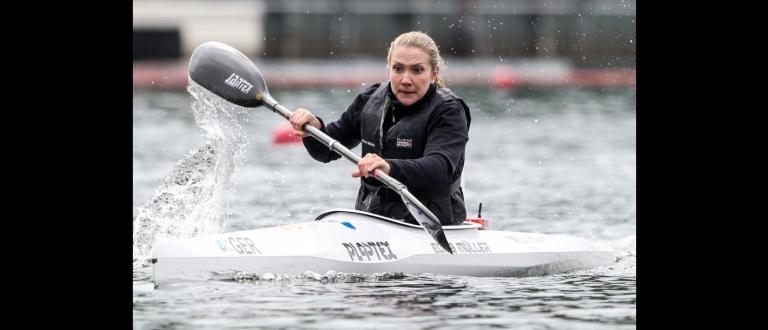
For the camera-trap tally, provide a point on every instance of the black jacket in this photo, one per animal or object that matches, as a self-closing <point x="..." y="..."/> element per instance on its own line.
<point x="424" y="148"/>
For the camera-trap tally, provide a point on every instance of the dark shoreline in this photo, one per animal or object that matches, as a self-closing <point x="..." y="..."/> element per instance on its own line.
<point x="312" y="73"/>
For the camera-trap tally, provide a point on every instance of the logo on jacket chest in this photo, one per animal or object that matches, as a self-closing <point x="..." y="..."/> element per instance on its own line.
<point x="369" y="143"/>
<point x="404" y="143"/>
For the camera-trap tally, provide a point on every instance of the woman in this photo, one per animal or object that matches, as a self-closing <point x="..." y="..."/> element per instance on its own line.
<point x="412" y="128"/>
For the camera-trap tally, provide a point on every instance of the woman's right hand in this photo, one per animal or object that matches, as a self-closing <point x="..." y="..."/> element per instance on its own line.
<point x="299" y="117"/>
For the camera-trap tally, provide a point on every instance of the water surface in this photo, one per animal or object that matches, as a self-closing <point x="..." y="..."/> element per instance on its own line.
<point x="546" y="160"/>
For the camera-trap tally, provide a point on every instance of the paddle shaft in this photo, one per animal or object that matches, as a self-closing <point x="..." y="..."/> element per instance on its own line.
<point x="354" y="158"/>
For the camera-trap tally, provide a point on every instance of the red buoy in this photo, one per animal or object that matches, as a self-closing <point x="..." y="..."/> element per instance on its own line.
<point x="283" y="133"/>
<point x="504" y="77"/>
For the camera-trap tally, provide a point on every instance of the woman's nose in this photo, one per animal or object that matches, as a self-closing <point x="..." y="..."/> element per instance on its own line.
<point x="406" y="79"/>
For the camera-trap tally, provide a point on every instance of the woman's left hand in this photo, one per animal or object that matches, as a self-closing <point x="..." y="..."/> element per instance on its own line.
<point x="368" y="164"/>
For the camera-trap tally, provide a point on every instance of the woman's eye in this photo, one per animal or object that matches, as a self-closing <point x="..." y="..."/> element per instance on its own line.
<point x="418" y="70"/>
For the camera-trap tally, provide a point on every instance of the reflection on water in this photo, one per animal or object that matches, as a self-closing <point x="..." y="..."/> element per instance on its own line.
<point x="408" y="301"/>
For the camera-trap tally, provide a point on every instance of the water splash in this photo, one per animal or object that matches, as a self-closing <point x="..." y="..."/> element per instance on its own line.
<point x="307" y="276"/>
<point x="188" y="202"/>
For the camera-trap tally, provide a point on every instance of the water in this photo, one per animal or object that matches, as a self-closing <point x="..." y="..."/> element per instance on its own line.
<point x="546" y="160"/>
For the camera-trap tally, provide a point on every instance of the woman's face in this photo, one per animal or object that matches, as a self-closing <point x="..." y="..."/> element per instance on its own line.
<point x="410" y="73"/>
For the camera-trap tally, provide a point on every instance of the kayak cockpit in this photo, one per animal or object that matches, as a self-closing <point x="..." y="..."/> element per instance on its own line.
<point x="464" y="225"/>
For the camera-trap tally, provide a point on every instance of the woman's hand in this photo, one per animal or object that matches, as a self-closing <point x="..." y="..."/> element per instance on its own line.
<point x="368" y="164"/>
<point x="299" y="117"/>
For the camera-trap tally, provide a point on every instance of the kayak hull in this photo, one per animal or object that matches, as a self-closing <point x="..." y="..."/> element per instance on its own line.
<point x="350" y="241"/>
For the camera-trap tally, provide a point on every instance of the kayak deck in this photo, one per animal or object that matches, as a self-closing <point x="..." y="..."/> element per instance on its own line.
<point x="353" y="241"/>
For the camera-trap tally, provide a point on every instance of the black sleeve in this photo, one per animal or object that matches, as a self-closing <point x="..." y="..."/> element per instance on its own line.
<point x="346" y="129"/>
<point x="447" y="138"/>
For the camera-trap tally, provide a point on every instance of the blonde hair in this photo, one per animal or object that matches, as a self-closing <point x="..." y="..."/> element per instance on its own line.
<point x="423" y="41"/>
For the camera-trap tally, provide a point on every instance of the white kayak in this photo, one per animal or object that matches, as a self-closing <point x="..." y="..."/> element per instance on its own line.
<point x="350" y="241"/>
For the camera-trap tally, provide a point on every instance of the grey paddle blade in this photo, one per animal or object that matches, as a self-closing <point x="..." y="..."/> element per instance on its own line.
<point x="430" y="223"/>
<point x="226" y="72"/>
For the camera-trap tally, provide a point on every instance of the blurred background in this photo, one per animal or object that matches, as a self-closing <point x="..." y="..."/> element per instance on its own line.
<point x="506" y="42"/>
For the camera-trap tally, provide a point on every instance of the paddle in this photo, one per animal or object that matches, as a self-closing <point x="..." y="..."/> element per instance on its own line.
<point x="228" y="73"/>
